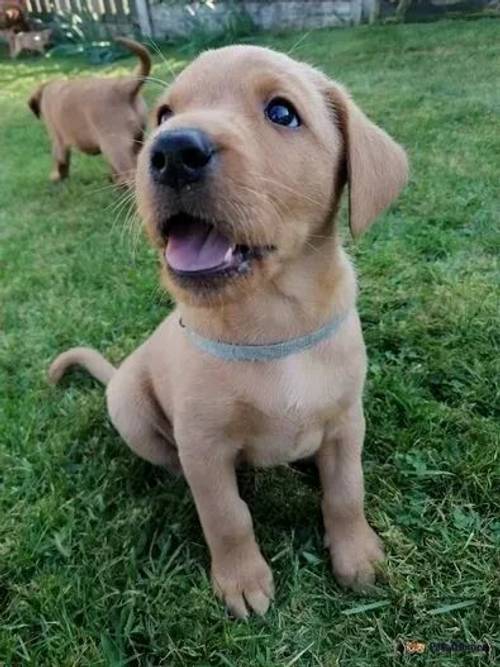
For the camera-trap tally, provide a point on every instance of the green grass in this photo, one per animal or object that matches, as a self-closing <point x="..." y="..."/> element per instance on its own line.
<point x="102" y="561"/>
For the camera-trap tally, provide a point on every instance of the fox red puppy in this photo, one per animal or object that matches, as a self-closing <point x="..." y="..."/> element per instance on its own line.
<point x="262" y="361"/>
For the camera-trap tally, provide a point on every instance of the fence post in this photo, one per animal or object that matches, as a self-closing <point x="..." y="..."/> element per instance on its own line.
<point x="370" y="10"/>
<point x="145" y="24"/>
<point x="356" y="9"/>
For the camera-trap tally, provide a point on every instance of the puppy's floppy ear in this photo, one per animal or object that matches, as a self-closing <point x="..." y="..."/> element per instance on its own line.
<point x="35" y="101"/>
<point x="376" y="166"/>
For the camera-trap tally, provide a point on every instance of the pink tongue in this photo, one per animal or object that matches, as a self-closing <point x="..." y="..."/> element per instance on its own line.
<point x="193" y="246"/>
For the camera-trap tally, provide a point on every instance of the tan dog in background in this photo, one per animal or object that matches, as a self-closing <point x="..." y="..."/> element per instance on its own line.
<point x="96" y="115"/>
<point x="239" y="186"/>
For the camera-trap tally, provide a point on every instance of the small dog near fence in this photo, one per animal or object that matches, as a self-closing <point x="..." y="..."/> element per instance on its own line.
<point x="35" y="40"/>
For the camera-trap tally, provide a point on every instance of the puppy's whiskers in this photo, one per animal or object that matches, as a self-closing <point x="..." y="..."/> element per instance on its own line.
<point x="263" y="197"/>
<point x="322" y="237"/>
<point x="301" y="39"/>
<point x="272" y="181"/>
<point x="123" y="199"/>
<point x="158" y="51"/>
<point x="104" y="188"/>
<point x="151" y="79"/>
<point x="117" y="209"/>
<point x="312" y="247"/>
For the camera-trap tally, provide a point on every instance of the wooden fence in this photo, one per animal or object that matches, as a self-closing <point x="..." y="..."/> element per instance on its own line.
<point x="104" y="17"/>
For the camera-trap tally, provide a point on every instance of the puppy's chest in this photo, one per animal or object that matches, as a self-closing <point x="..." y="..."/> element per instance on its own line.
<point x="289" y="410"/>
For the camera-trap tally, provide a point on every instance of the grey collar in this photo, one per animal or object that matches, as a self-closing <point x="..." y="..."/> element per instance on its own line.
<point x="271" y="352"/>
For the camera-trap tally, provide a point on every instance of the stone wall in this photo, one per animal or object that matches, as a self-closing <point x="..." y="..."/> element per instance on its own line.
<point x="170" y="21"/>
<point x="175" y="21"/>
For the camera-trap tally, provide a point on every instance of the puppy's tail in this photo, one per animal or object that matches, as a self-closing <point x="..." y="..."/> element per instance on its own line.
<point x="144" y="67"/>
<point x="35" y="101"/>
<point x="90" y="359"/>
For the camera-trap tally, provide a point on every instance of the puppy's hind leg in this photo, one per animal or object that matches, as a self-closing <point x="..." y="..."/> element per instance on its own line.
<point x="61" y="155"/>
<point x="140" y="422"/>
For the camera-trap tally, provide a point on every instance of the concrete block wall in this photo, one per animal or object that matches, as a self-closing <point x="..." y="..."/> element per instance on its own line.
<point x="175" y="21"/>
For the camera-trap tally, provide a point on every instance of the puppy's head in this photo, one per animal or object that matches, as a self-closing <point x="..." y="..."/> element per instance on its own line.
<point x="246" y="166"/>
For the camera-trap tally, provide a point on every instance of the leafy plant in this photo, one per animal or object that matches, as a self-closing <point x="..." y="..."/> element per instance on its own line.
<point x="79" y="33"/>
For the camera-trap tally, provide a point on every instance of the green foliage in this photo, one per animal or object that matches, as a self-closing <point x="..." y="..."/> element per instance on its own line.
<point x="80" y="34"/>
<point x="76" y="27"/>
<point x="102" y="560"/>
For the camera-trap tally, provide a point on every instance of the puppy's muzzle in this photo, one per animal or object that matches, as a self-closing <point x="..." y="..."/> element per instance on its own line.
<point x="180" y="157"/>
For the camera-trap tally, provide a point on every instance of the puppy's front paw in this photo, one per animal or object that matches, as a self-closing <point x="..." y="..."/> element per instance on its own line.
<point x="354" y="555"/>
<point x="244" y="581"/>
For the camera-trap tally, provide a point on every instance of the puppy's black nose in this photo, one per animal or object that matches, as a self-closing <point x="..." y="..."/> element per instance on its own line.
<point x="180" y="157"/>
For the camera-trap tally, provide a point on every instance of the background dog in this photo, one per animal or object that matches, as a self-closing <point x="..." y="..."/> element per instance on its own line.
<point x="36" y="40"/>
<point x="239" y="186"/>
<point x="96" y="115"/>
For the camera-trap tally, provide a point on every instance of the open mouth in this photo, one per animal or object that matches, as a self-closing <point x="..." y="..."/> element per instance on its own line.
<point x="197" y="249"/>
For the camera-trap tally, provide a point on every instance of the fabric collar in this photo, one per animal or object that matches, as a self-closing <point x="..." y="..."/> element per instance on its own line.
<point x="271" y="352"/>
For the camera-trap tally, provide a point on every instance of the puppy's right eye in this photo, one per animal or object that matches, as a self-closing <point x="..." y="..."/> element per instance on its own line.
<point x="163" y="114"/>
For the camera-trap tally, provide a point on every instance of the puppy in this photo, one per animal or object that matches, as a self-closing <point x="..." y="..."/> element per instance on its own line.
<point x="36" y="40"/>
<point x="263" y="360"/>
<point x="96" y="115"/>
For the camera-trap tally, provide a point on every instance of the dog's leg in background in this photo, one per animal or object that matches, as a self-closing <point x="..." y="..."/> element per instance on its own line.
<point x="11" y="40"/>
<point x="122" y="160"/>
<point x="17" y="48"/>
<point x="354" y="546"/>
<point x="61" y="155"/>
<point x="240" y="575"/>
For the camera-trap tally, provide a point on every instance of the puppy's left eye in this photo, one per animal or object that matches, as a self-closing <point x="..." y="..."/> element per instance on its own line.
<point x="163" y="113"/>
<point x="282" y="112"/>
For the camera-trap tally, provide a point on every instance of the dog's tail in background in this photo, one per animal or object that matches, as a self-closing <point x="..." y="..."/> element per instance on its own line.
<point x="144" y="67"/>
<point x="90" y="359"/>
<point x="35" y="101"/>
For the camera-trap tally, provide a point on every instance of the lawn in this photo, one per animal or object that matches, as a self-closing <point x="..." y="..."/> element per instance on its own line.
<point x="102" y="561"/>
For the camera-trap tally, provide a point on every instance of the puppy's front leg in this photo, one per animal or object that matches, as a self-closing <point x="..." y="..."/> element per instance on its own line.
<point x="354" y="546"/>
<point x="240" y="575"/>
